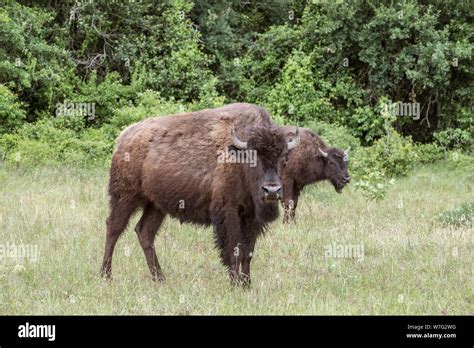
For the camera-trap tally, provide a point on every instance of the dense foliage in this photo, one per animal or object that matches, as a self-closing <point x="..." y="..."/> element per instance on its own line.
<point x="334" y="66"/>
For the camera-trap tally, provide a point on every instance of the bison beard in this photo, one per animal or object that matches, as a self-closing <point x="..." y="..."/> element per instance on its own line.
<point x="168" y="165"/>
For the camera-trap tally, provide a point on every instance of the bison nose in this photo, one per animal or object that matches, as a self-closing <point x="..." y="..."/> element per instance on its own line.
<point x="346" y="179"/>
<point x="272" y="189"/>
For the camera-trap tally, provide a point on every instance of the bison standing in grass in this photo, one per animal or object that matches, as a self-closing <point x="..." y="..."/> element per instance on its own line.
<point x="169" y="165"/>
<point x="311" y="162"/>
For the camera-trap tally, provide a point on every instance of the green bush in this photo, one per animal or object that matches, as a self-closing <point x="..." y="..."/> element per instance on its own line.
<point x="371" y="167"/>
<point x="107" y="95"/>
<point x="12" y="114"/>
<point x="392" y="155"/>
<point x="337" y="136"/>
<point x="66" y="140"/>
<point x="45" y="130"/>
<point x="75" y="123"/>
<point x="373" y="185"/>
<point x="451" y="138"/>
<point x="429" y="153"/>
<point x="367" y="123"/>
<point x="461" y="216"/>
<point x="86" y="153"/>
<point x="45" y="142"/>
<point x="34" y="62"/>
<point x="295" y="95"/>
<point x="31" y="153"/>
<point x="150" y="104"/>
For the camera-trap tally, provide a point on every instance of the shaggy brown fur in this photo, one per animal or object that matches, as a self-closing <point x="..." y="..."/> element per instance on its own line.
<point x="306" y="165"/>
<point x="168" y="165"/>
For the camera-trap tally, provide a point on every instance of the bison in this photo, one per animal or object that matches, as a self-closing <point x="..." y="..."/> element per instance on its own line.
<point x="173" y="165"/>
<point x="311" y="162"/>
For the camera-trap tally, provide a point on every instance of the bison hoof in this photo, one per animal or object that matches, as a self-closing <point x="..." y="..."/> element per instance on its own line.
<point x="158" y="278"/>
<point x="107" y="276"/>
<point x="243" y="282"/>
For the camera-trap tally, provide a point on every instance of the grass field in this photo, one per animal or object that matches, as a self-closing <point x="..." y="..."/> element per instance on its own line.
<point x="396" y="260"/>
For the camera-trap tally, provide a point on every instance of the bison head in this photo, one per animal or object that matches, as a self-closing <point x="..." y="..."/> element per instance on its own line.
<point x="335" y="167"/>
<point x="271" y="148"/>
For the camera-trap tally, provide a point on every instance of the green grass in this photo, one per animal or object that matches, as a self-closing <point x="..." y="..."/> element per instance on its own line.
<point x="411" y="264"/>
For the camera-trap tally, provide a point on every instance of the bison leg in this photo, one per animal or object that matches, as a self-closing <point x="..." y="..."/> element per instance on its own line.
<point x="146" y="230"/>
<point x="246" y="259"/>
<point x="288" y="200"/>
<point x="289" y="204"/>
<point x="120" y="212"/>
<point x="230" y="242"/>
<point x="287" y="207"/>
<point x="236" y="252"/>
<point x="232" y="248"/>
<point x="295" y="204"/>
<point x="290" y="209"/>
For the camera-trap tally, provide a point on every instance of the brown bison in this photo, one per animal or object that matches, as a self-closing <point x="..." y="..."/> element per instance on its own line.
<point x="176" y="165"/>
<point x="311" y="162"/>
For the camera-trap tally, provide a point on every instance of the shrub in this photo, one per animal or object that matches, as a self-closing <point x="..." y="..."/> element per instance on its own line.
<point x="12" y="114"/>
<point x="392" y="155"/>
<point x="86" y="153"/>
<point x="31" y="153"/>
<point x="368" y="124"/>
<point x="373" y="185"/>
<point x="264" y="61"/>
<point x="337" y="136"/>
<point x="48" y="141"/>
<point x="34" y="61"/>
<point x="150" y="104"/>
<point x="428" y="153"/>
<point x="396" y="153"/>
<point x="45" y="130"/>
<point x="451" y="138"/>
<point x="65" y="140"/>
<point x="295" y="96"/>
<point x="75" y="123"/>
<point x="107" y="95"/>
<point x="461" y="216"/>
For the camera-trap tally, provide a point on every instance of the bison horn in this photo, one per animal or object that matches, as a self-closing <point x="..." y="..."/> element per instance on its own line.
<point x="346" y="152"/>
<point x="295" y="141"/>
<point x="242" y="145"/>
<point x="325" y="154"/>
